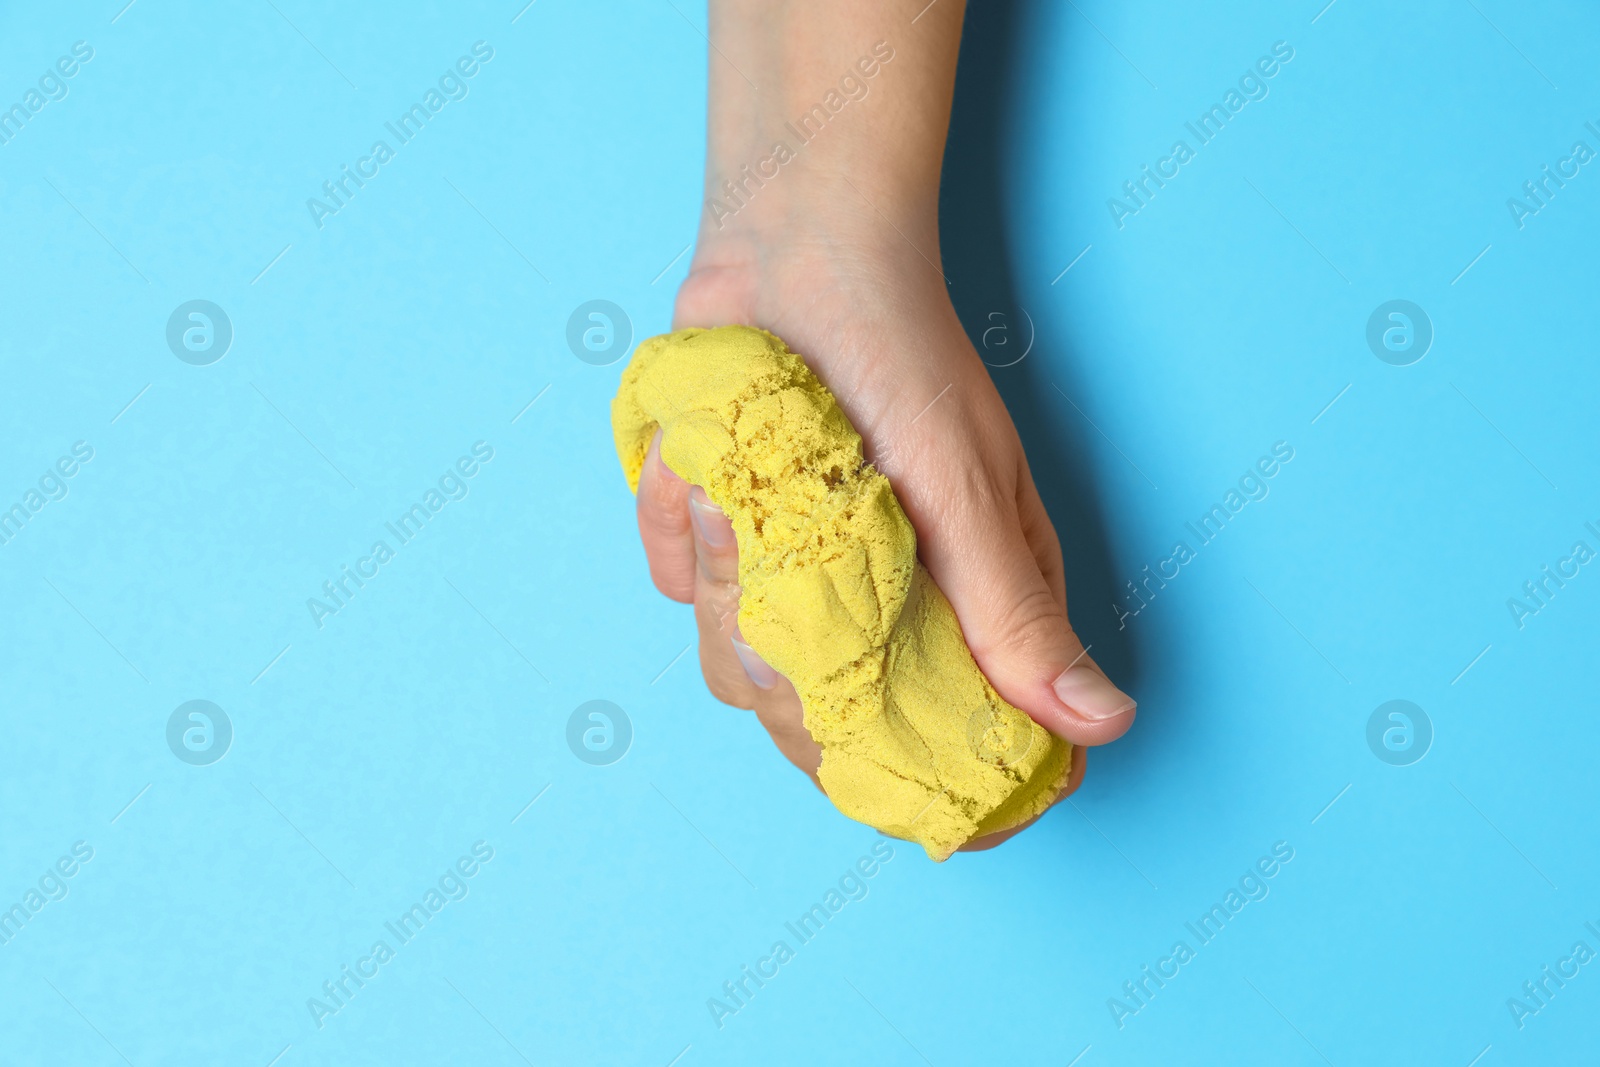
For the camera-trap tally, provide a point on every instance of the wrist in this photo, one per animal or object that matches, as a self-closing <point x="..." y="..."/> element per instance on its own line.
<point x="826" y="121"/>
<point x="836" y="213"/>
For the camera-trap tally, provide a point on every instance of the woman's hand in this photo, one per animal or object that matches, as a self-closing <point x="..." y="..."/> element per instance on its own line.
<point x="838" y="254"/>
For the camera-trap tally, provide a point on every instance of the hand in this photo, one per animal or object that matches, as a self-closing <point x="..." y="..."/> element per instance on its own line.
<point x="886" y="341"/>
<point x="838" y="255"/>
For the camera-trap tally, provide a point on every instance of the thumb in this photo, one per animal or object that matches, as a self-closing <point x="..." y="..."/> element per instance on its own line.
<point x="1016" y="624"/>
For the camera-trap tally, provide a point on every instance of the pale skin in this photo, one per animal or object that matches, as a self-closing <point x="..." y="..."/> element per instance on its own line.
<point x="838" y="254"/>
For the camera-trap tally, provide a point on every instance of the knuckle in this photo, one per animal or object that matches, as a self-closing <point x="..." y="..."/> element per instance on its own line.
<point x="973" y="496"/>
<point x="722" y="684"/>
<point x="661" y="507"/>
<point x="670" y="584"/>
<point x="1033" y="624"/>
<point x="723" y="692"/>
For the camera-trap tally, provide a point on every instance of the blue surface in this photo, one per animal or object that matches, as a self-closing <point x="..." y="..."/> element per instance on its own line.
<point x="374" y="752"/>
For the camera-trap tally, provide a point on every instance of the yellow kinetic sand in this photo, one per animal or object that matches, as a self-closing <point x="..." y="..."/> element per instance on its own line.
<point x="915" y="741"/>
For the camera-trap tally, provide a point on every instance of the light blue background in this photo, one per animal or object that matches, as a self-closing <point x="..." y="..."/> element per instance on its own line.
<point x="371" y="753"/>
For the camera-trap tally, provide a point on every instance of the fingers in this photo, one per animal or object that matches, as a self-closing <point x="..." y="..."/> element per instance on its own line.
<point x="1020" y="636"/>
<point x="663" y="512"/>
<point x="781" y="713"/>
<point x="715" y="591"/>
<point x="985" y="538"/>
<point x="1040" y="534"/>
<point x="995" y="556"/>
<point x="733" y="670"/>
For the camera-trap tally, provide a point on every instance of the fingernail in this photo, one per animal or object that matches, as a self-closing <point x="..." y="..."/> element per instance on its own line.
<point x="762" y="675"/>
<point x="1091" y="694"/>
<point x="709" y="521"/>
